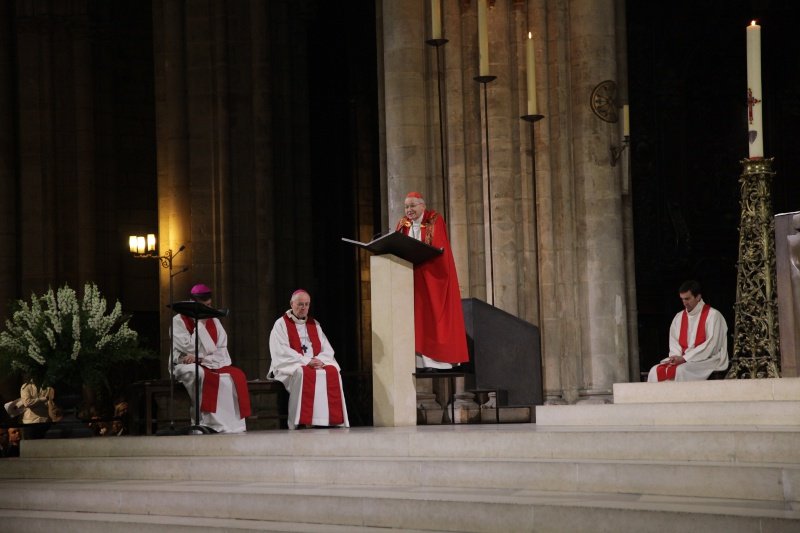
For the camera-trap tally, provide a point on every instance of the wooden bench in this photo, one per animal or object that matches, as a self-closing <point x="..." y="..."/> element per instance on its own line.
<point x="150" y="392"/>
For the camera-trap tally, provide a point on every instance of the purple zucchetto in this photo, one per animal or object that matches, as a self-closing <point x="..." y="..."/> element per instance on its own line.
<point x="200" y="292"/>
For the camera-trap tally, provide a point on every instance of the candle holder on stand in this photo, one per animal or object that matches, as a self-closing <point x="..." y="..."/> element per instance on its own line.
<point x="532" y="120"/>
<point x="756" y="352"/>
<point x="438" y="43"/>
<point x="484" y="81"/>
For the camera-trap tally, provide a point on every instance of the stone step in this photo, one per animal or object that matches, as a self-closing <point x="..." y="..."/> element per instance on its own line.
<point x="774" y="482"/>
<point x="739" y="414"/>
<point x="726" y="390"/>
<point x="508" y="415"/>
<point x="466" y="509"/>
<point x="517" y="441"/>
<point x="82" y="522"/>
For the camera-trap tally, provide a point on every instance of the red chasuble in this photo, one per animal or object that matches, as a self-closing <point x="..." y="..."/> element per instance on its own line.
<point x="666" y="371"/>
<point x="438" y="318"/>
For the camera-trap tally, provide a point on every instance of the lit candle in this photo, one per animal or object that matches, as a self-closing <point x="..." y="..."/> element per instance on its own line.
<point x="626" y="121"/>
<point x="530" y="64"/>
<point x="483" y="39"/>
<point x="436" y="19"/>
<point x="754" y="104"/>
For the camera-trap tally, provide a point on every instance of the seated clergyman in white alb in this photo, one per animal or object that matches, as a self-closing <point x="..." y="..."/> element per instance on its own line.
<point x="698" y="340"/>
<point x="302" y="359"/>
<point x="224" y="399"/>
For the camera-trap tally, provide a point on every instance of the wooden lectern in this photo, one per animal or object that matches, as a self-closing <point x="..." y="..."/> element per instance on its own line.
<point x="394" y="395"/>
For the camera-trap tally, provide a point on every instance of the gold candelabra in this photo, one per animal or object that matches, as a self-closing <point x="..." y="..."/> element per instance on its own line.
<point x="755" y="334"/>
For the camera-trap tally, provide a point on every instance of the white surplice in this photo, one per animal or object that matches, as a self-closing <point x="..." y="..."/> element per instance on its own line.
<point x="286" y="367"/>
<point x="702" y="360"/>
<point x="214" y="356"/>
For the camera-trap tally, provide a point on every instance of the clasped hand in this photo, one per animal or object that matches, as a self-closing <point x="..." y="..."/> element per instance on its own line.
<point x="316" y="363"/>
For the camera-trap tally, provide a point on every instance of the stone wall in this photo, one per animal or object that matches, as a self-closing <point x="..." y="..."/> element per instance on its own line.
<point x="558" y="259"/>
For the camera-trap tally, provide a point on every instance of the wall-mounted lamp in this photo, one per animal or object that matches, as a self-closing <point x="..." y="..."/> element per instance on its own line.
<point x="616" y="152"/>
<point x="603" y="102"/>
<point x="142" y="245"/>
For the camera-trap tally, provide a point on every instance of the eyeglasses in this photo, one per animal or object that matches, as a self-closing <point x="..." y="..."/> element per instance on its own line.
<point x="412" y="205"/>
<point x="302" y="304"/>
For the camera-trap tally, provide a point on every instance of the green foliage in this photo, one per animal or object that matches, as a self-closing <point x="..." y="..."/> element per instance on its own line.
<point x="58" y="339"/>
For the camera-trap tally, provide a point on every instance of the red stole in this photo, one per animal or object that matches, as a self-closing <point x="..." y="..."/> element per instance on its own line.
<point x="208" y="401"/>
<point x="666" y="371"/>
<point x="700" y="335"/>
<point x="335" y="411"/>
<point x="211" y="389"/>
<point x="294" y="337"/>
<point x="426" y="227"/>
<point x="211" y="326"/>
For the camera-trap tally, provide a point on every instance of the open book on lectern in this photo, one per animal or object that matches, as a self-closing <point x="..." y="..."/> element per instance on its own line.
<point x="403" y="246"/>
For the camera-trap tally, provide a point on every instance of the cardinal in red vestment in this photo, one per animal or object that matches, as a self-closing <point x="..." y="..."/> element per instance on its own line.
<point x="440" y="338"/>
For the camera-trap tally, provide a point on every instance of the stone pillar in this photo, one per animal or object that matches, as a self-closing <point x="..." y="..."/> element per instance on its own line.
<point x="599" y="213"/>
<point x="393" y="389"/>
<point x="405" y="101"/>
<point x="8" y="183"/>
<point x="256" y="249"/>
<point x="8" y="158"/>
<point x="172" y="151"/>
<point x="56" y="118"/>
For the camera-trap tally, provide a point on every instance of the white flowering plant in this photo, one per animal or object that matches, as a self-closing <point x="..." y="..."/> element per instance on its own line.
<point x="59" y="339"/>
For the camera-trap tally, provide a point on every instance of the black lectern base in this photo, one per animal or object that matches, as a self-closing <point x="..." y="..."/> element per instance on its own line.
<point x="199" y="430"/>
<point x="170" y="431"/>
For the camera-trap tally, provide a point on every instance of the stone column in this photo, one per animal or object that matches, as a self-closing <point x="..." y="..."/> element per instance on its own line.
<point x="8" y="158"/>
<point x="405" y="101"/>
<point x="9" y="388"/>
<point x="599" y="214"/>
<point x="172" y="150"/>
<point x="556" y="201"/>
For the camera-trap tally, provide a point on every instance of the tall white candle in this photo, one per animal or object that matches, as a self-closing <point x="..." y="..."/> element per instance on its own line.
<point x="530" y="65"/>
<point x="436" y="19"/>
<point x="754" y="101"/>
<point x="483" y="39"/>
<point x="626" y="121"/>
